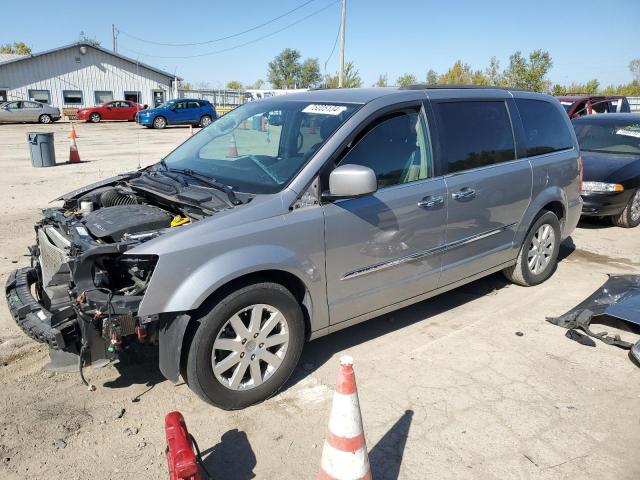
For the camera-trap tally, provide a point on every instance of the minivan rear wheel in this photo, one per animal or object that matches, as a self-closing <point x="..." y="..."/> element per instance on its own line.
<point x="538" y="255"/>
<point x="246" y="346"/>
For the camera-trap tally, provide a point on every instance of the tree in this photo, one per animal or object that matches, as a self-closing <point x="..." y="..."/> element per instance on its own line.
<point x="382" y="81"/>
<point x="234" y="85"/>
<point x="634" y="66"/>
<point x="351" y="77"/>
<point x="459" y="74"/>
<point x="310" y="74"/>
<point x="93" y="41"/>
<point x="432" y="77"/>
<point x="406" y="80"/>
<point x="529" y="74"/>
<point x="285" y="69"/>
<point x="257" y="85"/>
<point x="18" y="48"/>
<point x="558" y="90"/>
<point x="493" y="72"/>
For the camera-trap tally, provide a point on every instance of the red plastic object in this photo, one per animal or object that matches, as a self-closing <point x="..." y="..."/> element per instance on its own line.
<point x="180" y="455"/>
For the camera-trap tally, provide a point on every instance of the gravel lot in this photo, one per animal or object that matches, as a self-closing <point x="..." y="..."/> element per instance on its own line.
<point x="446" y="387"/>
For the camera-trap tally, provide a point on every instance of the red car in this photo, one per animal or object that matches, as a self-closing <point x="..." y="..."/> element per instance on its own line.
<point x="114" y="110"/>
<point x="579" y="105"/>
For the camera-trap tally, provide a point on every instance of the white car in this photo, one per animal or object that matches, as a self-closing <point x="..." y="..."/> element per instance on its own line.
<point x="20" y="111"/>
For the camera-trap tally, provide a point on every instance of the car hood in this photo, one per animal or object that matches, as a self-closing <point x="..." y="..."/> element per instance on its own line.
<point x="609" y="167"/>
<point x="151" y="111"/>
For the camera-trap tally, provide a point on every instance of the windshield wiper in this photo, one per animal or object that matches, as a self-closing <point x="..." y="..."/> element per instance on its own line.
<point x="207" y="180"/>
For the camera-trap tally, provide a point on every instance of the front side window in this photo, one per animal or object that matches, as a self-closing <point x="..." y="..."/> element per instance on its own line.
<point x="474" y="134"/>
<point x="103" y="96"/>
<point x="609" y="137"/>
<point x="12" y="106"/>
<point x="41" y="96"/>
<point x="545" y="130"/>
<point x="260" y="146"/>
<point x="72" y="97"/>
<point x="395" y="148"/>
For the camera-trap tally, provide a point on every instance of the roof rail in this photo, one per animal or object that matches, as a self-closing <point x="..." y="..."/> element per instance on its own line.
<point x="426" y="86"/>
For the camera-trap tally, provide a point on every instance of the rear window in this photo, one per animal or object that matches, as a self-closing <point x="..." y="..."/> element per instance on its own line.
<point x="545" y="129"/>
<point x="474" y="134"/>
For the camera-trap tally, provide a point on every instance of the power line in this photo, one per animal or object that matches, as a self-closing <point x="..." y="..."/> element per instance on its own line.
<point x="220" y="38"/>
<point x="215" y="52"/>
<point x="333" y="49"/>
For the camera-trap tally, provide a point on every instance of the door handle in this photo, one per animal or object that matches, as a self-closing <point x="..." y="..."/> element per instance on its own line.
<point x="430" y="202"/>
<point x="464" y="194"/>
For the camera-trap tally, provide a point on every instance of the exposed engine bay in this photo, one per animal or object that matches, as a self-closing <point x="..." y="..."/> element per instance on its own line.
<point x="82" y="292"/>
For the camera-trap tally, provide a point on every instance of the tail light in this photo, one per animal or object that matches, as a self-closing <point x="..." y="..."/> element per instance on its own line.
<point x="580" y="174"/>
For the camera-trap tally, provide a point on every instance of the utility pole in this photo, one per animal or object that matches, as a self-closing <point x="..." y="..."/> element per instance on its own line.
<point x="113" y="38"/>
<point x="344" y="18"/>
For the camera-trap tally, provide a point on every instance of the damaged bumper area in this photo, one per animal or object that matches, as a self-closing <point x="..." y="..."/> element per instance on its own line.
<point x="82" y="292"/>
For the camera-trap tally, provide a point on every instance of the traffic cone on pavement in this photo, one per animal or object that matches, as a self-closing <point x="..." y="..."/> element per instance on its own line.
<point x="74" y="156"/>
<point x="344" y="455"/>
<point x="72" y="131"/>
<point x="233" y="149"/>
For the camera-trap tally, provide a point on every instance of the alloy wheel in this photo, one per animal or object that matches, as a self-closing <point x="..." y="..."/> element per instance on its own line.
<point x="159" y="122"/>
<point x="635" y="206"/>
<point x="206" y="121"/>
<point x="45" y="119"/>
<point x="250" y="347"/>
<point x="541" y="249"/>
<point x="95" y="118"/>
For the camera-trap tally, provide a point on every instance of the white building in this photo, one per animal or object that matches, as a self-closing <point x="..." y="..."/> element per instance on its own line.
<point x="81" y="75"/>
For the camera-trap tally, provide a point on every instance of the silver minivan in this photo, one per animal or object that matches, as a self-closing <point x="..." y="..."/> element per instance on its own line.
<point x="293" y="217"/>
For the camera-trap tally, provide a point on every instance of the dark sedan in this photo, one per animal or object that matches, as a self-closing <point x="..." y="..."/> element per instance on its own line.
<point x="610" y="146"/>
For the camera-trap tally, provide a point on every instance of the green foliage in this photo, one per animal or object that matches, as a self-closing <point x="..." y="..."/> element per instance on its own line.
<point x="493" y="74"/>
<point x="462" y="74"/>
<point x="631" y="89"/>
<point x="257" y="85"/>
<point x="406" y="80"/>
<point x="286" y="71"/>
<point x="351" y="77"/>
<point x="17" y="48"/>
<point x="634" y="66"/>
<point x="432" y="77"/>
<point x="529" y="74"/>
<point x="310" y="76"/>
<point x="382" y="81"/>
<point x="234" y="85"/>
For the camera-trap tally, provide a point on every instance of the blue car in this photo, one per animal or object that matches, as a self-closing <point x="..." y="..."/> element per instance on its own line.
<point x="182" y="111"/>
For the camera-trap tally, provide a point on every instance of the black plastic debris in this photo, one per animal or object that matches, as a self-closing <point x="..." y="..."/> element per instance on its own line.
<point x="581" y="338"/>
<point x="617" y="299"/>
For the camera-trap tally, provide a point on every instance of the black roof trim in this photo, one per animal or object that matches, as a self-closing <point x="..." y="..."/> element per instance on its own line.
<point x="426" y="86"/>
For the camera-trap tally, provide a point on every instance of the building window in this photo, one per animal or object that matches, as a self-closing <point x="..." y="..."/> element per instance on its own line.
<point x="132" y="96"/>
<point x="42" y="96"/>
<point x="72" y="97"/>
<point x="103" y="96"/>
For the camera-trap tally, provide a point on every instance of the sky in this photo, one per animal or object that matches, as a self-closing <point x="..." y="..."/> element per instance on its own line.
<point x="586" y="39"/>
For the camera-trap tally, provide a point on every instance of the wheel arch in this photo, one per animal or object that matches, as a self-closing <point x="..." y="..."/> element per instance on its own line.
<point x="553" y="199"/>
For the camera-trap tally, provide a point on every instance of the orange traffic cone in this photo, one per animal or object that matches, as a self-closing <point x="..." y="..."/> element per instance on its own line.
<point x="74" y="156"/>
<point x="233" y="150"/>
<point x="72" y="131"/>
<point x="344" y="455"/>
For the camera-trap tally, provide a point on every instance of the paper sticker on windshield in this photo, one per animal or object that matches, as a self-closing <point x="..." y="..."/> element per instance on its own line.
<point x="325" y="109"/>
<point x="566" y="103"/>
<point x="630" y="131"/>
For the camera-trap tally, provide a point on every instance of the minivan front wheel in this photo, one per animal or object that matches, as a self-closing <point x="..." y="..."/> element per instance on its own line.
<point x="246" y="346"/>
<point x="538" y="255"/>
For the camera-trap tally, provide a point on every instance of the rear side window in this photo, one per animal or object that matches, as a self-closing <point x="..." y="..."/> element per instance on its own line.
<point x="474" y="134"/>
<point x="544" y="128"/>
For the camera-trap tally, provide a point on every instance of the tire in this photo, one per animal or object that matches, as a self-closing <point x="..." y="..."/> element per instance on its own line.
<point x="226" y="388"/>
<point x="205" y="121"/>
<point x="159" y="123"/>
<point x="630" y="216"/>
<point x="44" y="118"/>
<point x="523" y="273"/>
<point x="95" y="117"/>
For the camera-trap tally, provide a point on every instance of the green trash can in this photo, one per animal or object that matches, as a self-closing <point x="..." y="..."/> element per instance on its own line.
<point x="41" y="149"/>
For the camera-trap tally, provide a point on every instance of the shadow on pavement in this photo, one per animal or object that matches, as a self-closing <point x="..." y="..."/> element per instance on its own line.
<point x="232" y="458"/>
<point x="138" y="365"/>
<point x="386" y="457"/>
<point x="317" y="352"/>
<point x="595" y="223"/>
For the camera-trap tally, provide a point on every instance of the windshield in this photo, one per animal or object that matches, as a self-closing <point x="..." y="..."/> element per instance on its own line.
<point x="609" y="137"/>
<point x="260" y="146"/>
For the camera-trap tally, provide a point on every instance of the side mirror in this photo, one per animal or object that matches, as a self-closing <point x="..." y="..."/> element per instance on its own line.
<point x="350" y="180"/>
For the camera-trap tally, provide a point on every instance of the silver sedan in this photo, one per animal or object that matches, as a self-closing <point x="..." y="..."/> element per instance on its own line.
<point x="26" y="111"/>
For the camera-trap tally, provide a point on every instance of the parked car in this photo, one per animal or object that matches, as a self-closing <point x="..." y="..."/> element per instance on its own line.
<point x="115" y="110"/>
<point x="610" y="146"/>
<point x="183" y="111"/>
<point x="359" y="202"/>
<point x="579" y="105"/>
<point x="23" y="111"/>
